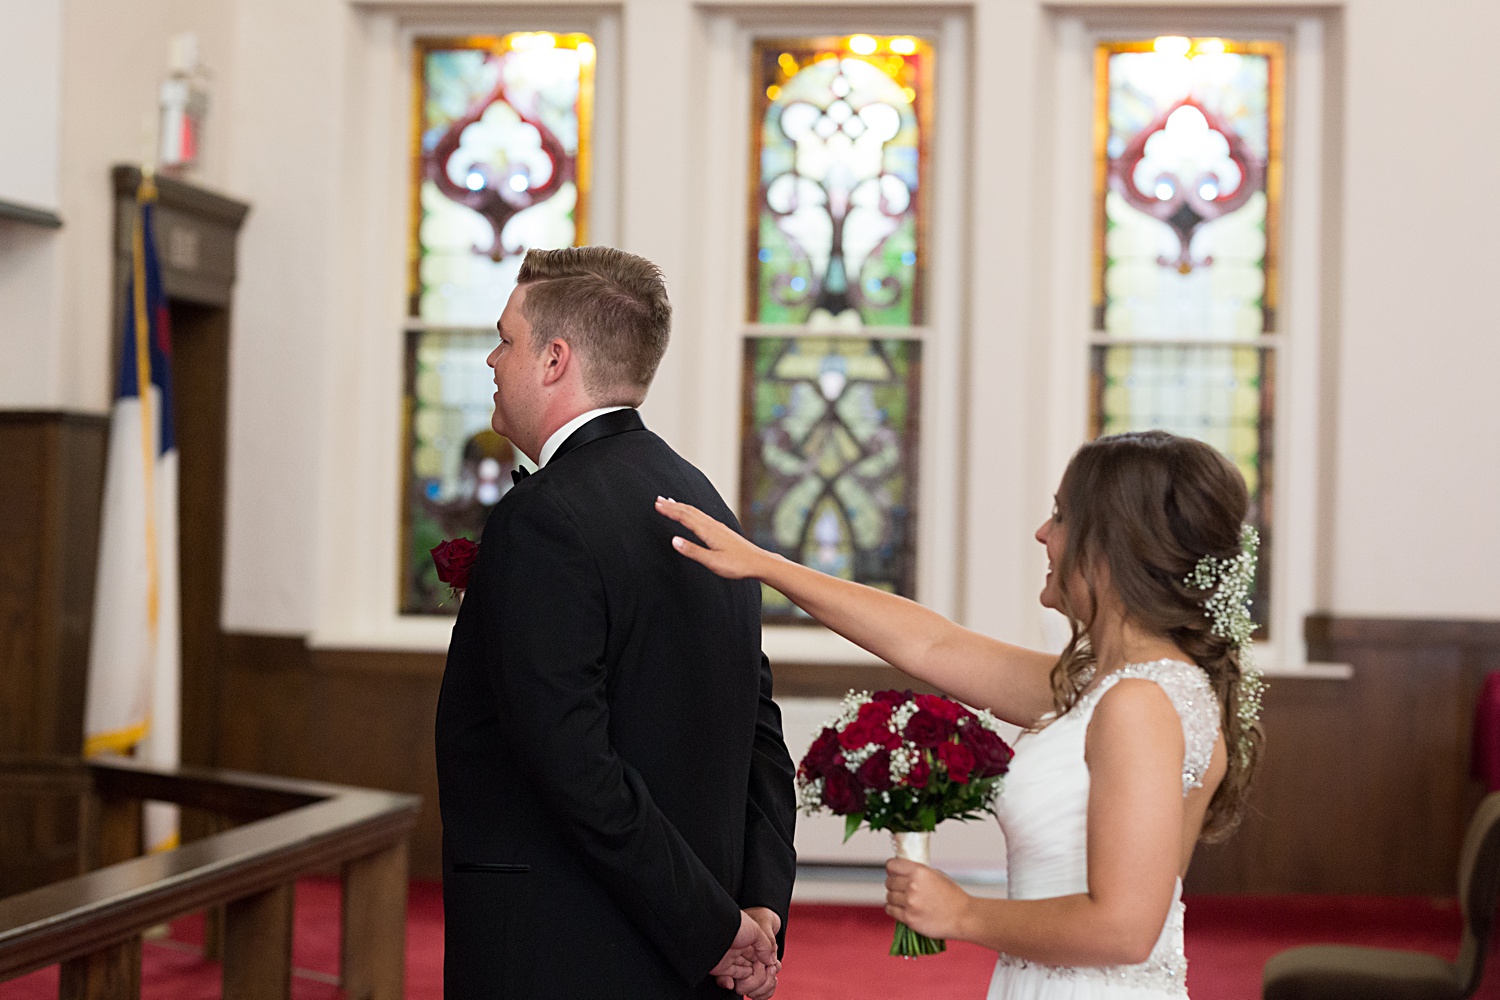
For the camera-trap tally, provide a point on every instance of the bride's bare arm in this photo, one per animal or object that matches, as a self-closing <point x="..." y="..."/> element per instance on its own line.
<point x="1009" y="680"/>
<point x="1135" y="816"/>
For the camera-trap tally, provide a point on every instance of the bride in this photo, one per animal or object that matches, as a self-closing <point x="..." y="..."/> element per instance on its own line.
<point x="1140" y="738"/>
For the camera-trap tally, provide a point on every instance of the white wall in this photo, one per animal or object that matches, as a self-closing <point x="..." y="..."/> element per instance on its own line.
<point x="289" y="158"/>
<point x="1407" y="413"/>
<point x="30" y="256"/>
<point x="30" y="100"/>
<point x="1406" y="523"/>
<point x="1415" y="531"/>
<point x="94" y="67"/>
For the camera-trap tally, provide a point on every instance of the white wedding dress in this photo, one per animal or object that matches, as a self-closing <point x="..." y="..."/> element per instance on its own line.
<point x="1043" y="811"/>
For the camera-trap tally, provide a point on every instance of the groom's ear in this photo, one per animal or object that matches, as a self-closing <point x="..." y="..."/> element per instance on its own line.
<point x="558" y="359"/>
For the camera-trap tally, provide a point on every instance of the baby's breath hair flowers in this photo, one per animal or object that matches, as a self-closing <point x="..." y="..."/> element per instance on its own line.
<point x="1229" y="583"/>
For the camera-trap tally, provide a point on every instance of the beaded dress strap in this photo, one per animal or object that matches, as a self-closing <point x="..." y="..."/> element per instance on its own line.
<point x="1187" y="687"/>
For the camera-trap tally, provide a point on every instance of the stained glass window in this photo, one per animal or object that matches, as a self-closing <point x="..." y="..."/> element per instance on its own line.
<point x="840" y="133"/>
<point x="840" y="129"/>
<point x="501" y="150"/>
<point x="459" y="468"/>
<point x="830" y="457"/>
<point x="1188" y="179"/>
<point x="502" y="126"/>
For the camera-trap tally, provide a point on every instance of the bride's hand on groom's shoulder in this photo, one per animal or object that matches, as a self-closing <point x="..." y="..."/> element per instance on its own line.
<point x="724" y="550"/>
<point x="924" y="899"/>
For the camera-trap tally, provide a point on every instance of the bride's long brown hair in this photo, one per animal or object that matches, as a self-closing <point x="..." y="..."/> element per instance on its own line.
<point x="1150" y="505"/>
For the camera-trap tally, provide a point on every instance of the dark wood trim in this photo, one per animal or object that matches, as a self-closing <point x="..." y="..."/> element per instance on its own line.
<point x="29" y="215"/>
<point x="411" y="663"/>
<point x="112" y="973"/>
<point x="834" y="680"/>
<point x="196" y="237"/>
<point x="69" y="418"/>
<point x="1325" y="632"/>
<point x="51" y="489"/>
<point x="793" y="680"/>
<point x="1365" y="783"/>
<point x="175" y="193"/>
<point x="350" y="716"/>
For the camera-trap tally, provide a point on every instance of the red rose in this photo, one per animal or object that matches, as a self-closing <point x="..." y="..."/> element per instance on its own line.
<point x="862" y="732"/>
<point x="991" y="755"/>
<point x="875" y="711"/>
<point x="854" y="735"/>
<point x="917" y="776"/>
<point x="821" y="755"/>
<point x="454" y="558"/>
<point x="959" y="761"/>
<point x="939" y="706"/>
<point x="841" y="791"/>
<point x="928" y="730"/>
<point x="892" y="698"/>
<point x="875" y="773"/>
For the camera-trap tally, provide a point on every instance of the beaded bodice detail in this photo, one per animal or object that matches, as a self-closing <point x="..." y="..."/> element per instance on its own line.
<point x="1043" y="811"/>
<point x="1187" y="687"/>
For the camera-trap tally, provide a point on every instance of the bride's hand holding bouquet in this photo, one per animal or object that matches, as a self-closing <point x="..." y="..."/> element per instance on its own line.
<point x="904" y="763"/>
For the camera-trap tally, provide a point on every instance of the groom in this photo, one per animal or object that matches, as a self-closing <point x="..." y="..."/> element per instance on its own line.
<point x="616" y="796"/>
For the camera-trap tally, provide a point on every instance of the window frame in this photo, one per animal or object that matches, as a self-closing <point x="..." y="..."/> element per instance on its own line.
<point x="727" y="57"/>
<point x="1300" y="340"/>
<point x="359" y="592"/>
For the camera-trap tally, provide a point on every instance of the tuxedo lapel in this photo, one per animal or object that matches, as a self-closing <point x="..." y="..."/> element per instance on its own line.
<point x="603" y="426"/>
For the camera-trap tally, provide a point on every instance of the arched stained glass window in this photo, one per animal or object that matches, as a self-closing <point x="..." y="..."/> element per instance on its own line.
<point x="832" y="363"/>
<point x="500" y="165"/>
<point x="1188" y="187"/>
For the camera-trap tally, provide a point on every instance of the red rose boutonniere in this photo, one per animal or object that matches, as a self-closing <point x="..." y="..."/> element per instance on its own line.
<point x="454" y="559"/>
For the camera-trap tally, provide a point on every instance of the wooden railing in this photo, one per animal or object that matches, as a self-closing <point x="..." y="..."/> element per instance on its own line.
<point x="92" y="924"/>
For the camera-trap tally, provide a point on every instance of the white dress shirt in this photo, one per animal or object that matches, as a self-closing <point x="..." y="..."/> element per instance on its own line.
<point x="565" y="431"/>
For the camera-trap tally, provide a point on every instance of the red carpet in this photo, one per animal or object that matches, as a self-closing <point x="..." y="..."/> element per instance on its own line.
<point x="838" y="952"/>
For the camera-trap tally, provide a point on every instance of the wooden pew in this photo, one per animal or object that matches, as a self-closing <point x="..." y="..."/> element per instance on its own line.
<point x="92" y="924"/>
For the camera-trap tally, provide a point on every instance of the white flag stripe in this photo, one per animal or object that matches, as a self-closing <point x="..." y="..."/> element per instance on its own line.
<point x="121" y="651"/>
<point x="133" y="694"/>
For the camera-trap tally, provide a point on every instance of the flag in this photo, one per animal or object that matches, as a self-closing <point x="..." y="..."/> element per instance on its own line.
<point x="133" y="680"/>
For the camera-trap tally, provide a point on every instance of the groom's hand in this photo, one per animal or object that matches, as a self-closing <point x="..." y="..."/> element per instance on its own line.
<point x="761" y="983"/>
<point x="769" y="920"/>
<point x="748" y="957"/>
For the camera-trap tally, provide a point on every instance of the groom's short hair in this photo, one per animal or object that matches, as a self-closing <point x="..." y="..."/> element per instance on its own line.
<point x="610" y="306"/>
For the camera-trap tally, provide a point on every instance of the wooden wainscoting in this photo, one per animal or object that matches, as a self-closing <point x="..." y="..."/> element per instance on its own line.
<point x="1365" y="786"/>
<point x="365" y="717"/>
<point x="353" y="717"/>
<point x="51" y="485"/>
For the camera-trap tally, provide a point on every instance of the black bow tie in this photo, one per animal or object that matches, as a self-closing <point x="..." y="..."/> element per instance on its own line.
<point x="519" y="473"/>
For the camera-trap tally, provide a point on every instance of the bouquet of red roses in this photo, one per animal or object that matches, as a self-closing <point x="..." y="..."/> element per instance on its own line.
<point x="904" y="762"/>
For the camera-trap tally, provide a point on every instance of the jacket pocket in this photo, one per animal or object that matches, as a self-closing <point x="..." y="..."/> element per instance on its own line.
<point x="490" y="868"/>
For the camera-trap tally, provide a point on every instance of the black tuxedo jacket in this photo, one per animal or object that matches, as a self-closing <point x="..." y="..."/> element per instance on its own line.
<point x="613" y="780"/>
